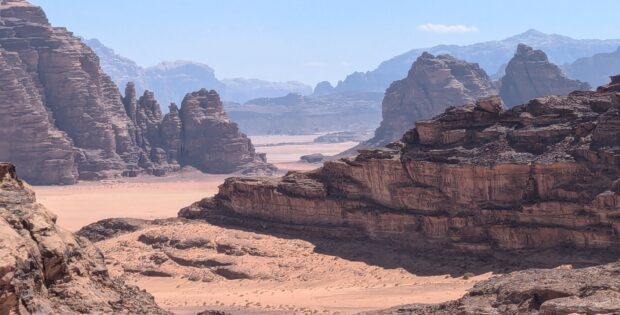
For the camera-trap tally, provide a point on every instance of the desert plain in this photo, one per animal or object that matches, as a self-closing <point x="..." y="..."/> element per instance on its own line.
<point x="281" y="274"/>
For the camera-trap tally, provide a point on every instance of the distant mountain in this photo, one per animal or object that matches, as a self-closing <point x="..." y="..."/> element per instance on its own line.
<point x="595" y="70"/>
<point x="489" y="55"/>
<point x="297" y="114"/>
<point x="242" y="90"/>
<point x="170" y="81"/>
<point x="529" y="75"/>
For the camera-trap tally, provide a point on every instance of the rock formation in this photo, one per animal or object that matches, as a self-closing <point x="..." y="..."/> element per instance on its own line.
<point x="211" y="142"/>
<point x="560" y="291"/>
<point x="63" y="119"/>
<point x="433" y="84"/>
<point x="476" y="178"/>
<point x="529" y="74"/>
<point x="323" y="88"/>
<point x="47" y="270"/>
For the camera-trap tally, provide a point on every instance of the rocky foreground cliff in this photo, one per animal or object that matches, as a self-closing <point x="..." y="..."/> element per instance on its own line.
<point x="476" y="178"/>
<point x="560" y="291"/>
<point x="63" y="119"/>
<point x="47" y="270"/>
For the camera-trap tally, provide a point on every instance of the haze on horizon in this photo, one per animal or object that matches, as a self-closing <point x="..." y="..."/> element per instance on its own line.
<point x="312" y="41"/>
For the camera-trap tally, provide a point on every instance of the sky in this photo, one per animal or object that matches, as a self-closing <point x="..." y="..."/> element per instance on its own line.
<point x="314" y="40"/>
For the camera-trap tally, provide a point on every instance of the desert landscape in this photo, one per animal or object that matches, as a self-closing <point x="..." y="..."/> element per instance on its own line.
<point x="279" y="268"/>
<point x="151" y="197"/>
<point x="479" y="174"/>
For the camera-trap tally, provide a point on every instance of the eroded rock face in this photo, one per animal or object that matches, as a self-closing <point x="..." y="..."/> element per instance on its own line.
<point x="75" y="108"/>
<point x="561" y="291"/>
<point x="529" y="74"/>
<point x="475" y="178"/>
<point x="433" y="84"/>
<point x="47" y="270"/>
<point x="210" y="141"/>
<point x="63" y="119"/>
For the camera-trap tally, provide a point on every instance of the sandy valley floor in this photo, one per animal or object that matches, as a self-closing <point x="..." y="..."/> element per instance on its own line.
<point x="292" y="278"/>
<point x="151" y="197"/>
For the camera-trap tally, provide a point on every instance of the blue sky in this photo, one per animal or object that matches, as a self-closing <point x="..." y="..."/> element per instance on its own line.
<point x="314" y="40"/>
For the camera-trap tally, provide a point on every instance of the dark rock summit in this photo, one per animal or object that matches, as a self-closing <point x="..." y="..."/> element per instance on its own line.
<point x="529" y="74"/>
<point x="433" y="84"/>
<point x="63" y="119"/>
<point x="47" y="270"/>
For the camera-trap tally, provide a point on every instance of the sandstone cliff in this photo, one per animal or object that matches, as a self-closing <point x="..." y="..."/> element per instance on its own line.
<point x="474" y="178"/>
<point x="47" y="270"/>
<point x="529" y="74"/>
<point x="63" y="119"/>
<point x="211" y="142"/>
<point x="433" y="84"/>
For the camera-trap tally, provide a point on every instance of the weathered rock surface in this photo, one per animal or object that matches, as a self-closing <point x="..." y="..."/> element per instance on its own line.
<point x="433" y="84"/>
<point x="63" y="119"/>
<point x="475" y="178"/>
<point x="561" y="291"/>
<point x="211" y="142"/>
<point x="529" y="74"/>
<point x="47" y="270"/>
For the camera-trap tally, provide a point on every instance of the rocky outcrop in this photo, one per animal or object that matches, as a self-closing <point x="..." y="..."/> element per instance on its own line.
<point x="561" y="291"/>
<point x="47" y="270"/>
<point x="63" y="119"/>
<point x="323" y="88"/>
<point x="312" y="158"/>
<point x="529" y="74"/>
<point x="211" y="142"/>
<point x="433" y="84"/>
<point x="475" y="178"/>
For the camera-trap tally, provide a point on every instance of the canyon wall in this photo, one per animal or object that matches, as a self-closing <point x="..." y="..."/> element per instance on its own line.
<point x="63" y="119"/>
<point x="477" y="178"/>
<point x="47" y="270"/>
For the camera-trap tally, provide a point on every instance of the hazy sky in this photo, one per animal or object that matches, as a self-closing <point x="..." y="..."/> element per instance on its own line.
<point x="314" y="40"/>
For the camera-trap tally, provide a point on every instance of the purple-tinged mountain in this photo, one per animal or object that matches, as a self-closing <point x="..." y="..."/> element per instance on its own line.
<point x="529" y="75"/>
<point x="489" y="55"/>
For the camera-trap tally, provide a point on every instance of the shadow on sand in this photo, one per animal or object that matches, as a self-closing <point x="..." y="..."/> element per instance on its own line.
<point x="352" y="245"/>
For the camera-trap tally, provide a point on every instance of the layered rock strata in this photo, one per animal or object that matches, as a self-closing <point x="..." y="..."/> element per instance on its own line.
<point x="476" y="178"/>
<point x="211" y="142"/>
<point x="529" y="74"/>
<point x="433" y="84"/>
<point x="47" y="270"/>
<point x="63" y="119"/>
